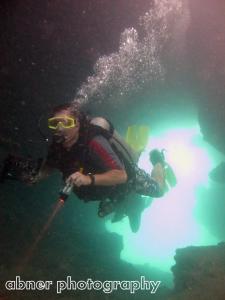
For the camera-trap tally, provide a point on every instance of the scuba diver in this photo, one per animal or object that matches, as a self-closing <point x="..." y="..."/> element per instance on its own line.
<point x="96" y="164"/>
<point x="156" y="156"/>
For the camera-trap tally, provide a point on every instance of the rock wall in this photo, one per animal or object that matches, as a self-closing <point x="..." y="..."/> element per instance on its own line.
<point x="199" y="273"/>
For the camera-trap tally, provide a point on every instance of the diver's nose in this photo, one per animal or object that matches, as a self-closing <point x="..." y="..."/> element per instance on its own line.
<point x="59" y="127"/>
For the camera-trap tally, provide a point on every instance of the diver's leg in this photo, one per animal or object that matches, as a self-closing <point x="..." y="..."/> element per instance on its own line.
<point x="150" y="185"/>
<point x="134" y="221"/>
<point x="136" y="206"/>
<point x="120" y="211"/>
<point x="131" y="206"/>
<point x="106" y="207"/>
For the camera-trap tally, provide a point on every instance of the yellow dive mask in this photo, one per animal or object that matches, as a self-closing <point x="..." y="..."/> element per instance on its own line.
<point x="64" y="121"/>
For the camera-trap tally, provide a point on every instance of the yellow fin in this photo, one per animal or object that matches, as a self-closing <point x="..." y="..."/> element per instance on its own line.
<point x="137" y="137"/>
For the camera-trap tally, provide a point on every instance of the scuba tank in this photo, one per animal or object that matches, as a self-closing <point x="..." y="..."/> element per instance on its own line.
<point x="114" y="138"/>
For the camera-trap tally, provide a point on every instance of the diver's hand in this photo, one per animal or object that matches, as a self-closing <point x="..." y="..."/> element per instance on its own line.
<point x="78" y="179"/>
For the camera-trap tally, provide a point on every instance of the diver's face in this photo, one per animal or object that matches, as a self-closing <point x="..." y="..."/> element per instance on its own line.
<point x="67" y="136"/>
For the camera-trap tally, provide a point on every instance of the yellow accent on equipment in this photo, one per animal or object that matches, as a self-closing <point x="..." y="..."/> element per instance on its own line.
<point x="137" y="137"/>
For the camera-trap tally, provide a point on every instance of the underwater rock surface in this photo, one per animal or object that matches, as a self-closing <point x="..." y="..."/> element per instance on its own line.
<point x="199" y="273"/>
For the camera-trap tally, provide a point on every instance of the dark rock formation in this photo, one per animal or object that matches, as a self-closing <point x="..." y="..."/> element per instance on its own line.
<point x="206" y="54"/>
<point x="199" y="273"/>
<point x="218" y="174"/>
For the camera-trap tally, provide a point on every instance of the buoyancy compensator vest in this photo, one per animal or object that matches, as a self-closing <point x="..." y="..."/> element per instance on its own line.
<point x="101" y="126"/>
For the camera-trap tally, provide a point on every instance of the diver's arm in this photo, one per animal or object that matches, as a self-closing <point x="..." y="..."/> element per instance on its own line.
<point x="106" y="158"/>
<point x="109" y="178"/>
<point x="102" y="154"/>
